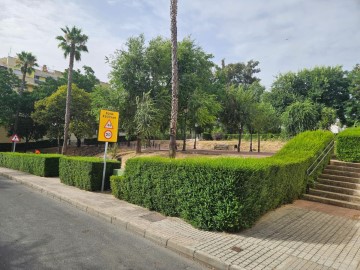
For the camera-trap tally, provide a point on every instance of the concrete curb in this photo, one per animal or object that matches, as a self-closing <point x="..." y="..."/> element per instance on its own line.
<point x="171" y="243"/>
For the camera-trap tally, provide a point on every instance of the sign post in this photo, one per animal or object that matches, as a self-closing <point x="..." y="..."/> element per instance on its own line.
<point x="108" y="132"/>
<point x="15" y="138"/>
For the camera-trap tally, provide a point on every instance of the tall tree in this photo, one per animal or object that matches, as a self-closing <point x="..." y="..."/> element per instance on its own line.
<point x="174" y="81"/>
<point x="238" y="73"/>
<point x="86" y="81"/>
<point x="73" y="44"/>
<point x="9" y="83"/>
<point x="299" y="117"/>
<point x="26" y="61"/>
<point x="353" y="105"/>
<point x="322" y="85"/>
<point x="130" y="72"/>
<point x="146" y="115"/>
<point x="265" y="120"/>
<point x="50" y="112"/>
<point x="238" y="109"/>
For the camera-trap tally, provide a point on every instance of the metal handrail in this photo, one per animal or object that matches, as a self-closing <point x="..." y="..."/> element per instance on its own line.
<point x="323" y="154"/>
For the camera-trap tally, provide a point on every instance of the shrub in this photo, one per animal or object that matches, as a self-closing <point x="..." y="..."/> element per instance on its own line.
<point x="86" y="172"/>
<point x="38" y="164"/>
<point x="207" y="136"/>
<point x="224" y="193"/>
<point x="348" y="145"/>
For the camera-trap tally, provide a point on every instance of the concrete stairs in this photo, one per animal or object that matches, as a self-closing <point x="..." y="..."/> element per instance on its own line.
<point x="339" y="185"/>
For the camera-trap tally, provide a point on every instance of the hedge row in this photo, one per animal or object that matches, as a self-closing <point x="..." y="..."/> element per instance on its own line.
<point x="348" y="145"/>
<point x="83" y="172"/>
<point x="224" y="193"/>
<point x="41" y="164"/>
<point x="86" y="172"/>
<point x="7" y="147"/>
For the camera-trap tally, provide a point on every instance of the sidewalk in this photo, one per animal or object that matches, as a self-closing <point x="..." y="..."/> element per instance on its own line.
<point x="303" y="235"/>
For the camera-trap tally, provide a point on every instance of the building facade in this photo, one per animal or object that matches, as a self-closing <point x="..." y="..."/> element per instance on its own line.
<point x="32" y="80"/>
<point x="35" y="78"/>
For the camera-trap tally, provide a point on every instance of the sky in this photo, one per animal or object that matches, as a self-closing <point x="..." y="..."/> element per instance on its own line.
<point x="283" y="35"/>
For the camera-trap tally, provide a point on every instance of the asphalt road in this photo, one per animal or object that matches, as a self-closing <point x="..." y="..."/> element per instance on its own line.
<point x="37" y="232"/>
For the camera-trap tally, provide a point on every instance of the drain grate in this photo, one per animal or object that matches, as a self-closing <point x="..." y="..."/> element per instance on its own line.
<point x="153" y="217"/>
<point x="236" y="249"/>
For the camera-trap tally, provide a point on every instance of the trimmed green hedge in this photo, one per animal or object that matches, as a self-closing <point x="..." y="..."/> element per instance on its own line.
<point x="348" y="145"/>
<point x="223" y="193"/>
<point x="86" y="172"/>
<point x="38" y="164"/>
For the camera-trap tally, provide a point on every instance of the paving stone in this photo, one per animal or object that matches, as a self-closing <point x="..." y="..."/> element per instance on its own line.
<point x="303" y="235"/>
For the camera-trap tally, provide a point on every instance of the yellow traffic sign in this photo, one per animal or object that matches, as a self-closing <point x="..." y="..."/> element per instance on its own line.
<point x="108" y="126"/>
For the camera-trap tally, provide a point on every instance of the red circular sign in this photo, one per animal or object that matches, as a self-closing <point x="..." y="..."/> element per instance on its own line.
<point x="108" y="134"/>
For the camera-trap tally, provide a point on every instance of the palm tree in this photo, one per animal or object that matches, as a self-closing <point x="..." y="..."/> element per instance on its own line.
<point x="72" y="43"/>
<point x="26" y="61"/>
<point x="174" y="82"/>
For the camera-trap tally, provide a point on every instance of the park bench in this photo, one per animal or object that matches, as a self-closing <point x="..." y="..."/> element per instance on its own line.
<point x="221" y="147"/>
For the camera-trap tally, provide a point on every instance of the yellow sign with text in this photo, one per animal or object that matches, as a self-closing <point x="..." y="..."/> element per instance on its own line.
<point x="108" y="126"/>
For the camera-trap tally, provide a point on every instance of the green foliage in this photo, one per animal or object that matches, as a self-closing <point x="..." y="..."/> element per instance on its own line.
<point x="86" y="172"/>
<point x="146" y="116"/>
<point x="51" y="111"/>
<point x="327" y="86"/>
<point x="26" y="61"/>
<point x="39" y="164"/>
<point x="73" y="42"/>
<point x="86" y="81"/>
<point x="299" y="117"/>
<point x="9" y="83"/>
<point x="237" y="74"/>
<point x="328" y="117"/>
<point x="46" y="89"/>
<point x="348" y="145"/>
<point x="238" y="106"/>
<point x="107" y="98"/>
<point x="142" y="68"/>
<point x="353" y="105"/>
<point x="220" y="194"/>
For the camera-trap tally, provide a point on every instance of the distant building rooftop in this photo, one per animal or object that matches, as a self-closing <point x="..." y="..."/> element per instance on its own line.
<point x="33" y="79"/>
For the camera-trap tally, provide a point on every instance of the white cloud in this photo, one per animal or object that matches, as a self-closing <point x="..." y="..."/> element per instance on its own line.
<point x="282" y="34"/>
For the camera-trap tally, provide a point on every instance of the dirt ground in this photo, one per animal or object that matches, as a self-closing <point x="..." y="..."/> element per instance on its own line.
<point x="203" y="148"/>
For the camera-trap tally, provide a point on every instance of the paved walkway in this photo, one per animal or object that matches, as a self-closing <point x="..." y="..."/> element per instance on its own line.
<point x="303" y="235"/>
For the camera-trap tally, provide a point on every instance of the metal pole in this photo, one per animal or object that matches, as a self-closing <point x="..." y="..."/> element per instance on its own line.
<point x="103" y="178"/>
<point x="14" y="146"/>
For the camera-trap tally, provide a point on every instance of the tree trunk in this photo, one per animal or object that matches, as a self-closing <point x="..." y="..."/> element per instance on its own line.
<point x="174" y="84"/>
<point x="138" y="144"/>
<point x="78" y="142"/>
<point x="258" y="135"/>
<point x="184" y="133"/>
<point x="239" y="139"/>
<point x="184" y="139"/>
<point x="58" y="143"/>
<point x="251" y="140"/>
<point x="68" y="100"/>
<point x="26" y="144"/>
<point x="195" y="140"/>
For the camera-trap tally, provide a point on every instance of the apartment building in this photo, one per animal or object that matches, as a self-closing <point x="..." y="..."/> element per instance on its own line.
<point x="35" y="78"/>
<point x="32" y="80"/>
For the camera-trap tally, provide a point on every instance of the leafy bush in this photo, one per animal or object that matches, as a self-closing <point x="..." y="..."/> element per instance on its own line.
<point x="38" y="164"/>
<point x="86" y="172"/>
<point x="207" y="136"/>
<point x="224" y="193"/>
<point x="348" y="145"/>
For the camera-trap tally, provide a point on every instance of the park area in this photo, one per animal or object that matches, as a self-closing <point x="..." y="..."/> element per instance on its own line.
<point x="161" y="147"/>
